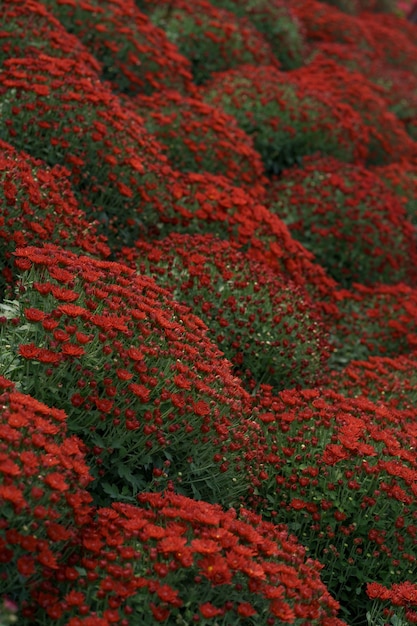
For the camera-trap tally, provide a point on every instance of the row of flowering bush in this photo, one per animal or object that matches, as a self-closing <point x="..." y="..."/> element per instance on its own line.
<point x="169" y="420"/>
<point x="168" y="557"/>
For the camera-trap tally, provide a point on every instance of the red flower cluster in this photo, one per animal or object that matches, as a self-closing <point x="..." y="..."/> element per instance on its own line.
<point x="278" y="24"/>
<point x="375" y="321"/>
<point x="332" y="467"/>
<point x="212" y="39"/>
<point x="387" y="138"/>
<point x="393" y="40"/>
<point x="152" y="397"/>
<point x="267" y="326"/>
<point x="402" y="594"/>
<point x="69" y="117"/>
<point x="206" y="203"/>
<point x="38" y="206"/>
<point x="401" y="177"/>
<point x="199" y="137"/>
<point x="324" y="23"/>
<point x="43" y="500"/>
<point x="348" y="218"/>
<point x="289" y="116"/>
<point x="392" y="380"/>
<point x="135" y="55"/>
<point x="28" y="29"/>
<point x="144" y="560"/>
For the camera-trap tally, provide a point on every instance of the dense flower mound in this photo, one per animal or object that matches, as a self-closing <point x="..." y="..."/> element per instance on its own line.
<point x="391" y="380"/>
<point x="288" y="117"/>
<point x="267" y="326"/>
<point x="38" y="206"/>
<point x="399" y="89"/>
<point x="152" y="397"/>
<point x="348" y="55"/>
<point x="28" y="29"/>
<point x="213" y="39"/>
<point x="375" y="320"/>
<point x="393" y="40"/>
<point x="324" y="23"/>
<point x="346" y="215"/>
<point x="335" y="469"/>
<point x="174" y="560"/>
<point x="278" y="24"/>
<point x="399" y="600"/>
<point x="136" y="55"/>
<point x="199" y="137"/>
<point x="388" y="140"/>
<point x="355" y="7"/>
<point x="402" y="179"/>
<point x="43" y="500"/>
<point x="396" y="86"/>
<point x="59" y="112"/>
<point x="209" y="204"/>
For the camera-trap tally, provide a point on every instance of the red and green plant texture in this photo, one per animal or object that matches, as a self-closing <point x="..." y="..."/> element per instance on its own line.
<point x="167" y="421"/>
<point x="68" y="117"/>
<point x="288" y="117"/>
<point x="135" y="55"/>
<point x="43" y="496"/>
<point x="274" y="19"/>
<point x="211" y="38"/>
<point x="322" y="22"/>
<point x="28" y="29"/>
<point x="348" y="218"/>
<point x="335" y="470"/>
<point x="268" y="327"/>
<point x="209" y="204"/>
<point x="400" y="600"/>
<point x="401" y="177"/>
<point x="388" y="139"/>
<point x="38" y="206"/>
<point x="201" y="138"/>
<point x="152" y="397"/>
<point x="392" y="380"/>
<point x="176" y="560"/>
<point x="375" y="320"/>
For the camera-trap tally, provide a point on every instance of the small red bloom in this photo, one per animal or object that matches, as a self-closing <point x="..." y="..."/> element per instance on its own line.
<point x="208" y="610"/>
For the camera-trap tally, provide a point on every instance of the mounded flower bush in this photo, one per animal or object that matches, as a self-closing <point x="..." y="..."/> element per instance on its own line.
<point x="28" y="28"/>
<point x="176" y="560"/>
<point x="393" y="40"/>
<point x="341" y="473"/>
<point x="396" y="86"/>
<point x="151" y="396"/>
<point x="390" y="380"/>
<point x="402" y="179"/>
<point x="157" y="404"/>
<point x="136" y="56"/>
<point x="209" y="204"/>
<point x="269" y="328"/>
<point x="201" y="138"/>
<point x="287" y="119"/>
<point x="348" y="218"/>
<point x="324" y="23"/>
<point x="68" y="117"/>
<point x="375" y="320"/>
<point x="388" y="140"/>
<point x="38" y="206"/>
<point x="355" y="7"/>
<point x="211" y="38"/>
<point x="43" y="497"/>
<point x="274" y="19"/>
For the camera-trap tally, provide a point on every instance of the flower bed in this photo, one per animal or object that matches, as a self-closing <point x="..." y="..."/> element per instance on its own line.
<point x="144" y="477"/>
